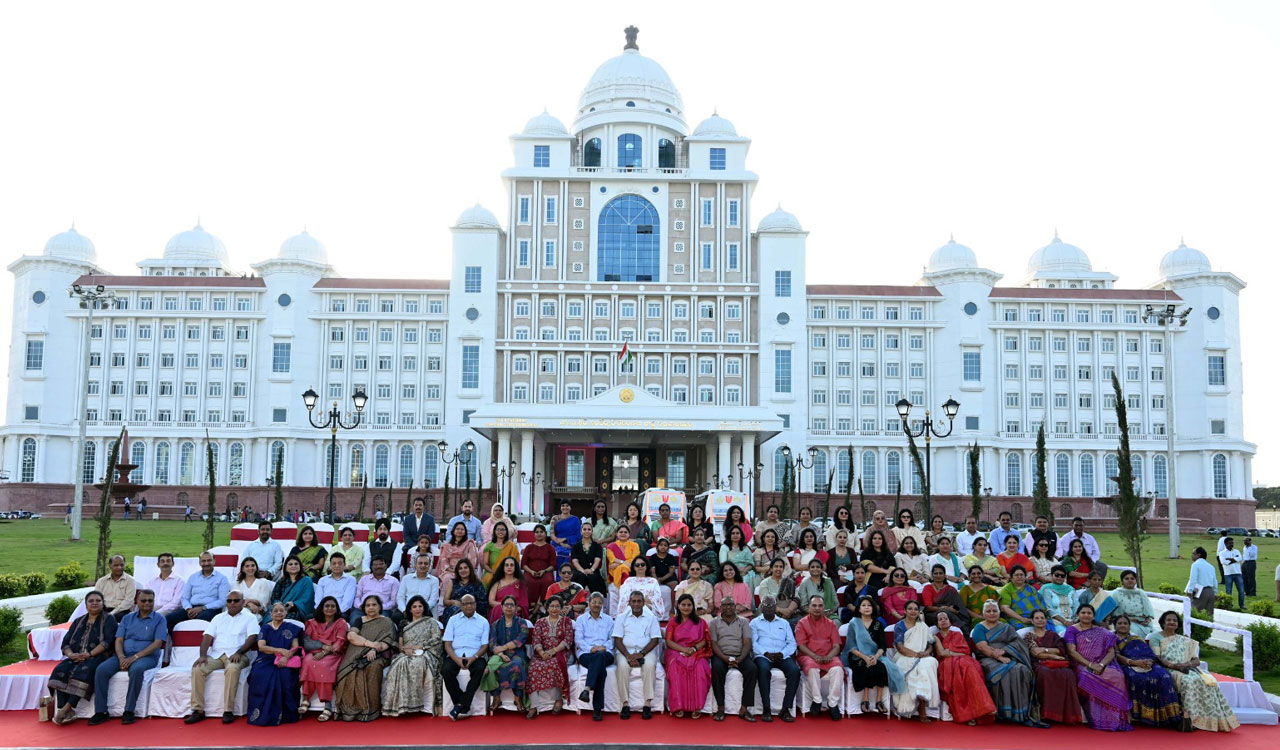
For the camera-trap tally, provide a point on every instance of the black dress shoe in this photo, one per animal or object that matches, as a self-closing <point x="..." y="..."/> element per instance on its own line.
<point x="194" y="717"/>
<point x="625" y="713"/>
<point x="646" y="713"/>
<point x="97" y="719"/>
<point x="127" y="718"/>
<point x="597" y="715"/>
<point x="584" y="696"/>
<point x="786" y="716"/>
<point x="766" y="717"/>
<point x="835" y="713"/>
<point x="228" y="717"/>
<point x="747" y="716"/>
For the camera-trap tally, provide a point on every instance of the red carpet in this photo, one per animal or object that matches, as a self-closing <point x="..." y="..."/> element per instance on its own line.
<point x="20" y="729"/>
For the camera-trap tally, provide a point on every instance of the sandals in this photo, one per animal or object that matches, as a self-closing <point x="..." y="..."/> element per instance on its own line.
<point x="304" y="706"/>
<point x="557" y="708"/>
<point x="679" y="714"/>
<point x="325" y="715"/>
<point x="866" y="707"/>
<point x="532" y="713"/>
<point x="880" y="709"/>
<point x="697" y="714"/>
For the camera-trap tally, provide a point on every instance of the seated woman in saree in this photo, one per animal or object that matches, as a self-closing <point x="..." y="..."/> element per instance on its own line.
<point x="913" y="653"/>
<point x="572" y="596"/>
<point x="895" y="596"/>
<point x="864" y="653"/>
<point x="856" y="589"/>
<point x="806" y="551"/>
<point x="1097" y="597"/>
<point x="295" y="590"/>
<point x="273" y="681"/>
<point x="1008" y="668"/>
<point x="454" y="549"/>
<point x="1153" y="695"/>
<point x="912" y="559"/>
<point x="1018" y="599"/>
<point x="309" y="551"/>
<point x="937" y="532"/>
<point x="324" y="641"/>
<point x="1055" y="679"/>
<point x="90" y="641"/>
<point x="463" y="581"/>
<point x="621" y="551"/>
<point x="498" y="548"/>
<point x="647" y="585"/>
<point x="976" y="593"/>
<point x="587" y="558"/>
<point x="508" y="659"/>
<point x="736" y="551"/>
<point x="960" y="679"/>
<point x="1098" y="677"/>
<point x="698" y="588"/>
<point x="552" y="642"/>
<point x="779" y="585"/>
<point x="566" y="531"/>
<point x="357" y="695"/>
<point x="1077" y="564"/>
<point x="939" y="596"/>
<point x="688" y="660"/>
<point x="508" y="581"/>
<point x="1132" y="601"/>
<point x="1202" y="699"/>
<point x="992" y="571"/>
<point x="1012" y="557"/>
<point x="414" y="678"/>
<point x="1043" y="560"/>
<point x="736" y="517"/>
<point x="700" y="550"/>
<point x="1059" y="600"/>
<point x="841" y="521"/>
<point x="730" y="586"/>
<point x="817" y="584"/>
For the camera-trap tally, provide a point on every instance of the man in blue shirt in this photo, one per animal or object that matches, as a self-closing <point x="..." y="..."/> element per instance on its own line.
<point x="593" y="638"/>
<point x="774" y="647"/>
<point x="338" y="585"/>
<point x="206" y="592"/>
<point x="995" y="540"/>
<point x="466" y="638"/>
<point x="265" y="552"/>
<point x="139" y="638"/>
<point x="470" y="521"/>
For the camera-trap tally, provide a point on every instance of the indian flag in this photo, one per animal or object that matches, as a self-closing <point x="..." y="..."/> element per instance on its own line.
<point x="625" y="356"/>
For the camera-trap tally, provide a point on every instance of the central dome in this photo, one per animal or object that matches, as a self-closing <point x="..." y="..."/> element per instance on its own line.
<point x="196" y="246"/>
<point x="630" y="88"/>
<point x="1059" y="257"/>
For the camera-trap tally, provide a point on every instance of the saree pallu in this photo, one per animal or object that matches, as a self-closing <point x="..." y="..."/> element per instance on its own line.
<point x="1055" y="681"/>
<point x="947" y="597"/>
<point x="1012" y="684"/>
<point x="870" y="641"/>
<point x="619" y="560"/>
<point x="357" y="695"/>
<point x="701" y="591"/>
<point x="308" y="557"/>
<point x="960" y="680"/>
<point x="509" y="674"/>
<point x="743" y="559"/>
<point x="404" y="689"/>
<point x="76" y="678"/>
<point x="973" y="600"/>
<point x="318" y="675"/>
<point x="1107" y="693"/>
<point x="273" y="690"/>
<point x="1023" y="602"/>
<point x="1202" y="699"/>
<point x="300" y="593"/>
<point x="706" y="557"/>
<point x="492" y="555"/>
<point x="1153" y="695"/>
<point x="570" y="530"/>
<point x="1103" y="605"/>
<point x="919" y="672"/>
<point x="546" y="674"/>
<point x="688" y="677"/>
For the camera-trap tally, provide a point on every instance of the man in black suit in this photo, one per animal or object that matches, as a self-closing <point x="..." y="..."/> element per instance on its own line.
<point x="417" y="523"/>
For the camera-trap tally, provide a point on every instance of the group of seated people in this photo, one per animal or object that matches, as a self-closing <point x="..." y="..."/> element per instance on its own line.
<point x="908" y="627"/>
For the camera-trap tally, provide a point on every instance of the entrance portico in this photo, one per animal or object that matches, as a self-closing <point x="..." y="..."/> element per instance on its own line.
<point x="618" y="444"/>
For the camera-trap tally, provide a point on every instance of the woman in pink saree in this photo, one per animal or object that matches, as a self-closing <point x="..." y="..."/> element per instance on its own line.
<point x="1098" y="676"/>
<point x="688" y="660"/>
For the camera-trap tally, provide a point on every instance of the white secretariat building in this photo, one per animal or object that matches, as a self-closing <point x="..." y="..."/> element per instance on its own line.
<point x="628" y="229"/>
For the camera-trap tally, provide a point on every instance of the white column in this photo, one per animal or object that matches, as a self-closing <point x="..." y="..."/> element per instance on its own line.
<point x="524" y="502"/>
<point x="504" y="456"/>
<point x="539" y="465"/>
<point x="724" y="468"/>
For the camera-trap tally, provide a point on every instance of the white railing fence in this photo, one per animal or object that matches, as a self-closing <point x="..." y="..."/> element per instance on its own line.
<point x="1187" y="621"/>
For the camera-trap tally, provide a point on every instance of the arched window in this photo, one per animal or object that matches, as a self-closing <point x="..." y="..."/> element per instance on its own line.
<point x="406" y="465"/>
<point x="1062" y="475"/>
<point x="779" y="468"/>
<point x="630" y="150"/>
<point x="430" y="466"/>
<point x="630" y="240"/>
<point x="1016" y="511"/>
<point x="591" y="153"/>
<point x="843" y="471"/>
<point x="467" y="470"/>
<point x="1111" y="468"/>
<point x="1013" y="474"/>
<point x="217" y="460"/>
<point x="916" y="487"/>
<point x="1086" y="475"/>
<point x="186" y="463"/>
<point x="1219" y="473"/>
<point x="1064" y="511"/>
<point x="357" y="464"/>
<point x="1136" y="462"/>
<point x="381" y="459"/>
<point x="91" y="459"/>
<point x="892" y="472"/>
<point x="1160" y="475"/>
<point x="666" y="154"/>
<point x="235" y="464"/>
<point x="869" y="472"/>
<point x="277" y="456"/>
<point x="138" y="456"/>
<point x="820" y="475"/>
<point x="331" y="462"/>
<point x="28" y="460"/>
<point x="161" y="475"/>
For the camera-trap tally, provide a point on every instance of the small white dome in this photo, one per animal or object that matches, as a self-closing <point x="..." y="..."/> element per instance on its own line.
<point x="951" y="257"/>
<point x="477" y="217"/>
<point x="304" y="247"/>
<point x="196" y="246"/>
<point x="71" y="245"/>
<point x="545" y="124"/>
<point x="714" y="126"/>
<point x="1184" y="260"/>
<point x="1059" y="257"/>
<point x="780" y="221"/>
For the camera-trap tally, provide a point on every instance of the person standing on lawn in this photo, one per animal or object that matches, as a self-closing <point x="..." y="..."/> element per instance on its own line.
<point x="1249" y="567"/>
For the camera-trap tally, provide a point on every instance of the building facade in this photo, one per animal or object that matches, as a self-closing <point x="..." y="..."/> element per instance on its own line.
<point x="626" y="329"/>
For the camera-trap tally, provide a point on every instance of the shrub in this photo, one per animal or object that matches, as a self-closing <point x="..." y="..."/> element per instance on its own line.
<point x="1201" y="633"/>
<point x="10" y="624"/>
<point x="34" y="583"/>
<point x="1226" y="601"/>
<point x="10" y="586"/>
<point x="69" y="576"/>
<point x="1111" y="584"/>
<point x="1262" y="608"/>
<point x="1266" y="645"/>
<point x="1168" y="588"/>
<point x="60" y="609"/>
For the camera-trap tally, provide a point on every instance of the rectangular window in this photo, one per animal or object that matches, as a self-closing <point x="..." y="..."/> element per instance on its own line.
<point x="1217" y="369"/>
<point x="542" y="157"/>
<point x="782" y="283"/>
<point x="549" y="254"/>
<point x="1157" y="374"/>
<point x="706" y="256"/>
<point x="1011" y="343"/>
<point x="35" y="355"/>
<point x="782" y="370"/>
<point x="717" y="159"/>
<point x="471" y="366"/>
<point x="733" y="213"/>
<point x="471" y="281"/>
<point x="549" y="210"/>
<point x="708" y="212"/>
<point x="972" y="367"/>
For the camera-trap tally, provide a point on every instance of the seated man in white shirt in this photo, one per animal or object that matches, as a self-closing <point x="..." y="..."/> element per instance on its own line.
<point x="466" y="640"/>
<point x="228" y="639"/>
<point x="635" y="641"/>
<point x="265" y="552"/>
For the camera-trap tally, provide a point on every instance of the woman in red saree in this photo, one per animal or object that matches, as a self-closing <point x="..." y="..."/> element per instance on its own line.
<point x="688" y="660"/>
<point x="507" y="581"/>
<point x="1012" y="557"/>
<point x="894" y="597"/>
<point x="1055" y="679"/>
<point x="960" y="678"/>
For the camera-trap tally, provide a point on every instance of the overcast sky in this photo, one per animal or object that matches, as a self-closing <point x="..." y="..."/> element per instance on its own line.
<point x="884" y="127"/>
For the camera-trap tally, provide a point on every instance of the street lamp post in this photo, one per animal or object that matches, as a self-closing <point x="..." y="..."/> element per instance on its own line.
<point x="332" y="422"/>
<point x="748" y="480"/>
<point x="1170" y="318"/>
<point x="929" y="430"/>
<point x="533" y="480"/>
<point x="800" y="465"/>
<point x="504" y="475"/>
<point x="90" y="298"/>
<point x="461" y="457"/>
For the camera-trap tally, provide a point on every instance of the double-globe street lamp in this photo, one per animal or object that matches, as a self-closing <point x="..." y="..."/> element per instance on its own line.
<point x="91" y="298"/>
<point x="929" y="430"/>
<point x="461" y="456"/>
<point x="504" y="475"/>
<point x="332" y="422"/>
<point x="1170" y="318"/>
<point x="800" y="465"/>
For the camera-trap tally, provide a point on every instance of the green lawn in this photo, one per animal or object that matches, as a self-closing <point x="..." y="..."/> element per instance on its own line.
<point x="1230" y="663"/>
<point x="44" y="545"/>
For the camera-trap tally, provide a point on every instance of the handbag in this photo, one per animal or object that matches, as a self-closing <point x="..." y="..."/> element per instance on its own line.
<point x="291" y="660"/>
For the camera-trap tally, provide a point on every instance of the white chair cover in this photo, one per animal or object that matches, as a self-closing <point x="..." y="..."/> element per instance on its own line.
<point x="171" y="690"/>
<point x="733" y="694"/>
<point x="578" y="679"/>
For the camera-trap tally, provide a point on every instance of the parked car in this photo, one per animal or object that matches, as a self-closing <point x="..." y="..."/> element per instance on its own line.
<point x="1215" y="530"/>
<point x="1236" y="531"/>
<point x="1022" y="528"/>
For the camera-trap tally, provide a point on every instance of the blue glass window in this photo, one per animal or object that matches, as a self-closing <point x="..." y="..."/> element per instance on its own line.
<point x="630" y="240"/>
<point x="782" y="283"/>
<point x="591" y="153"/>
<point x="717" y="159"/>
<point x="541" y="156"/>
<point x="782" y="371"/>
<point x="666" y="154"/>
<point x="733" y="256"/>
<point x="471" y="280"/>
<point x="471" y="366"/>
<point x="706" y="256"/>
<point x="629" y="150"/>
